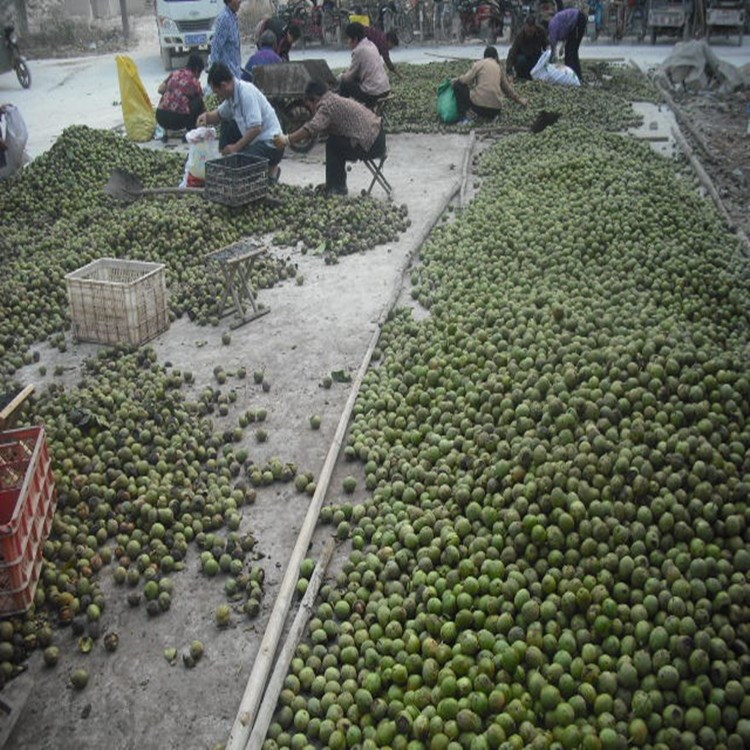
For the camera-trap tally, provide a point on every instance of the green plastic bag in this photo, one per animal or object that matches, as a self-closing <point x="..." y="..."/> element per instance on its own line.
<point x="447" y="106"/>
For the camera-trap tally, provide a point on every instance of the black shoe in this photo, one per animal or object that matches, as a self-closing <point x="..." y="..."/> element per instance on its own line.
<point x="329" y="191"/>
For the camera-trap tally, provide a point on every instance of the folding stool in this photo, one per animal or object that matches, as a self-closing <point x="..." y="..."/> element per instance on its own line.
<point x="376" y="170"/>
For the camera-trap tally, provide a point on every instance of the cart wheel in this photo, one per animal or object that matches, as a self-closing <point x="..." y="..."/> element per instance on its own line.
<point x="294" y="117"/>
<point x="302" y="147"/>
<point x="23" y="73"/>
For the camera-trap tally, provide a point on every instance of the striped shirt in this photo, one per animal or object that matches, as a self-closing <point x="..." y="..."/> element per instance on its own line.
<point x="225" y="47"/>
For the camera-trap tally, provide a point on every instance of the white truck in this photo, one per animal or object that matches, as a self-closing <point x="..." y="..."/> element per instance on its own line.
<point x="185" y="26"/>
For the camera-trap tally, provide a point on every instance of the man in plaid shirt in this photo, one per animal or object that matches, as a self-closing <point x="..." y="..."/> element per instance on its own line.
<point x="354" y="132"/>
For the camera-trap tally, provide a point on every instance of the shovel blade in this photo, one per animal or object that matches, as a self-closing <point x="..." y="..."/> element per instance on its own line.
<point x="123" y="186"/>
<point x="543" y="120"/>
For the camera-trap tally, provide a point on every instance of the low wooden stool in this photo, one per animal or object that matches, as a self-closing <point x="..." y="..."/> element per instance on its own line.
<point x="236" y="262"/>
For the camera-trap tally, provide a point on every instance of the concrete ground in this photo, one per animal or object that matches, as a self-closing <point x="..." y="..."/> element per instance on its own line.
<point x="135" y="699"/>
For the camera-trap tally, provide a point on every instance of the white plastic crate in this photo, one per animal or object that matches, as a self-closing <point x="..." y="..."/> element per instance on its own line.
<point x="118" y="301"/>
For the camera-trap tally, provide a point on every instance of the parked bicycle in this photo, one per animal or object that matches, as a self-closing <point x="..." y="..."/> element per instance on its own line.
<point x="333" y="23"/>
<point x="443" y="12"/>
<point x="397" y="15"/>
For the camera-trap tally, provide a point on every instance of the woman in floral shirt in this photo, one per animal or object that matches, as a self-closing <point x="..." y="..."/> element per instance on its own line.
<point x="182" y="96"/>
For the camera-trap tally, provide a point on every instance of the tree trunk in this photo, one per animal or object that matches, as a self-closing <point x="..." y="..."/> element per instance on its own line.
<point x="125" y="24"/>
<point x="22" y="17"/>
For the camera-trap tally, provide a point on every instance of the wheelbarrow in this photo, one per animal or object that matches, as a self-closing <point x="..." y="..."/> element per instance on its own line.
<point x="284" y="85"/>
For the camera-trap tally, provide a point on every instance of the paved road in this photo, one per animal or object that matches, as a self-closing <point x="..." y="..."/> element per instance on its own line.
<point x="85" y="90"/>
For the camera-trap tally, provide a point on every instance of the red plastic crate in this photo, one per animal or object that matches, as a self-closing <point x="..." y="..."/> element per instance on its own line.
<point x="17" y="601"/>
<point x="27" y="506"/>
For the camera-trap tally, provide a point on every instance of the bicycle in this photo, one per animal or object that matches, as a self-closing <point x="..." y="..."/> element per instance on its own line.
<point x="442" y="20"/>
<point x="395" y="16"/>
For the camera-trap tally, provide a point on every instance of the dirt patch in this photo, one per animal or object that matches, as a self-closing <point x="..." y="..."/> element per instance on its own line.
<point x="722" y="146"/>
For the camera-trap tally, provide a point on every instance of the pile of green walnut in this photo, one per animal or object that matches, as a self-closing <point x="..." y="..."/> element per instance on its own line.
<point x="556" y="549"/>
<point x="142" y="477"/>
<point x="54" y="219"/>
<point x="604" y="102"/>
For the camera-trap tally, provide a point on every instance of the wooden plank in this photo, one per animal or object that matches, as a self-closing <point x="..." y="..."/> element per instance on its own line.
<point x="7" y="415"/>
<point x="247" y="711"/>
<point x="271" y="697"/>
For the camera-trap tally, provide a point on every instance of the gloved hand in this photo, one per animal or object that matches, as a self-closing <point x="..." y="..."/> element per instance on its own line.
<point x="280" y="140"/>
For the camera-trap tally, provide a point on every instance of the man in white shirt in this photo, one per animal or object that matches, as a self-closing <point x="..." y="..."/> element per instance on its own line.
<point x="249" y="122"/>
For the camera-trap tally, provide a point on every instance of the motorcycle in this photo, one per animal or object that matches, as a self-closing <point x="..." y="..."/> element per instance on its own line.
<point x="482" y="18"/>
<point x="11" y="58"/>
<point x="308" y="18"/>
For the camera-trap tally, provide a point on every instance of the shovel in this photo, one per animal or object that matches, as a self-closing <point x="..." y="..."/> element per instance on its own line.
<point x="124" y="186"/>
<point x="543" y="120"/>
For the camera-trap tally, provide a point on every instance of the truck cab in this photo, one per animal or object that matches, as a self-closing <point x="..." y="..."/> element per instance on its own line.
<point x="185" y="26"/>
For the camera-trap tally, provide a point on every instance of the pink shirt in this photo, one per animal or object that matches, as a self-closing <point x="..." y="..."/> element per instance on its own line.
<point x="367" y="69"/>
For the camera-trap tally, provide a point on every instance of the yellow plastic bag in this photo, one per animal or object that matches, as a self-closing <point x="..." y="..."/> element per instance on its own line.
<point x="137" y="110"/>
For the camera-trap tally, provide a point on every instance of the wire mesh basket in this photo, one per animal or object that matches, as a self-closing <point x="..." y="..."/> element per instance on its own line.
<point x="236" y="180"/>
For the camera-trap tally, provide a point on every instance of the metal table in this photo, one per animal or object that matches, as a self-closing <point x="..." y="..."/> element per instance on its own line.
<point x="236" y="262"/>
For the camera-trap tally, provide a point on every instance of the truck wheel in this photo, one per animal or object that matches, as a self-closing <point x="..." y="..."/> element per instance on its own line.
<point x="166" y="59"/>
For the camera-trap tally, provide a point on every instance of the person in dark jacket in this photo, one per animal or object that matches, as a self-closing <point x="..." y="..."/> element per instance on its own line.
<point x="568" y="26"/>
<point x="526" y="49"/>
<point x="266" y="55"/>
<point x="286" y="34"/>
<point x="385" y="42"/>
